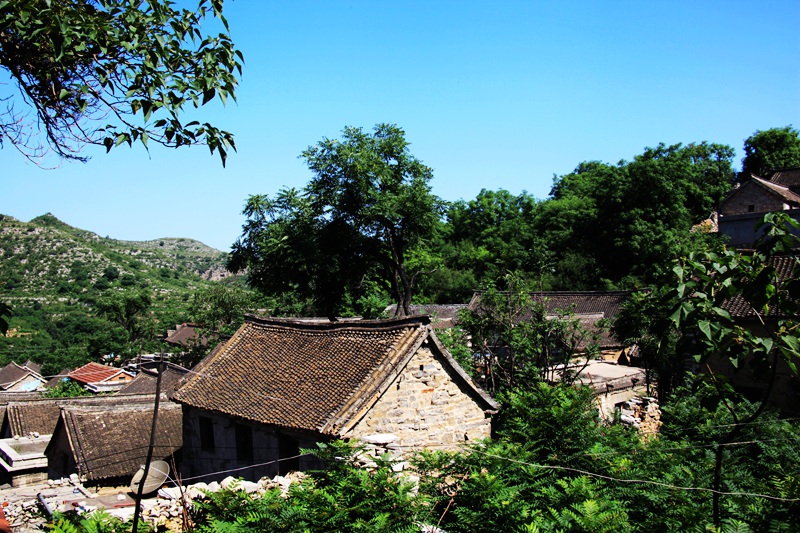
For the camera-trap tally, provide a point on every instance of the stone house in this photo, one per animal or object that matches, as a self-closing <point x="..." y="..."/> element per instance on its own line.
<point x="753" y="382"/>
<point x="27" y="423"/>
<point x="279" y="385"/>
<point x="739" y="212"/>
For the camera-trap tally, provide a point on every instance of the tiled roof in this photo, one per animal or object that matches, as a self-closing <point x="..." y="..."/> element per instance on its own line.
<point x="11" y="374"/>
<point x="55" y="380"/>
<point x="93" y="373"/>
<point x="41" y="415"/>
<point x="24" y="418"/>
<point x="184" y="335"/>
<point x="34" y="367"/>
<point x="305" y="375"/>
<point x="738" y="306"/>
<point x="788" y="177"/>
<point x="112" y="441"/>
<point x="784" y="192"/>
<point x="608" y="303"/>
<point x="587" y="306"/>
<point x="146" y="380"/>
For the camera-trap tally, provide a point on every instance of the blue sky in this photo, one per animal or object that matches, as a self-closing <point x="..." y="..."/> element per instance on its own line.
<point x="491" y="95"/>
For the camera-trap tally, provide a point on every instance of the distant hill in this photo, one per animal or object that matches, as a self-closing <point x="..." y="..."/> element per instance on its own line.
<point x="56" y="278"/>
<point x="41" y="258"/>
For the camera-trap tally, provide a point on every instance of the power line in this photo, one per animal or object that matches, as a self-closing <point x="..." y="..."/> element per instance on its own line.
<point x="639" y="481"/>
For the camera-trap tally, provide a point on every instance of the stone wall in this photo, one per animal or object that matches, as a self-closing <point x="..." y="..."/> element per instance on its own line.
<point x="425" y="407"/>
<point x="269" y="457"/>
<point x="753" y="195"/>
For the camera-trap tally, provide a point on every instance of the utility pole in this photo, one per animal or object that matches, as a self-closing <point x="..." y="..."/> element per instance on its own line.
<point x="150" y="447"/>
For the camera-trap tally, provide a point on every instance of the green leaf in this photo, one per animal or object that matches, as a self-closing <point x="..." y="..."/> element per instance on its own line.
<point x="705" y="327"/>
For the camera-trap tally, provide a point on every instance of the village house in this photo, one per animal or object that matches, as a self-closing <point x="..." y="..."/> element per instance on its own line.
<point x="740" y="211"/>
<point x="101" y="378"/>
<point x="596" y="311"/>
<point x="146" y="380"/>
<point x="29" y="422"/>
<point x="753" y="382"/>
<point x="108" y="442"/>
<point x="279" y="385"/>
<point x="21" y="378"/>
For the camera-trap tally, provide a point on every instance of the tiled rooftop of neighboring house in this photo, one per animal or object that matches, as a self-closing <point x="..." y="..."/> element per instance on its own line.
<point x="788" y="177"/>
<point x="304" y="375"/>
<point x="41" y="414"/>
<point x="185" y="334"/>
<point x="112" y="441"/>
<point x="590" y="307"/>
<point x="781" y="190"/>
<point x="608" y="303"/>
<point x="24" y="418"/>
<point x="11" y="374"/>
<point x="58" y="378"/>
<point x="739" y="308"/>
<point x="93" y="373"/>
<point x="33" y="367"/>
<point x="146" y="380"/>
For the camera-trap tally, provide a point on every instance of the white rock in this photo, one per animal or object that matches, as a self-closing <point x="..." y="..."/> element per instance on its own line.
<point x="399" y="467"/>
<point x="248" y="486"/>
<point x="380" y="438"/>
<point x="227" y="482"/>
<point x="214" y="486"/>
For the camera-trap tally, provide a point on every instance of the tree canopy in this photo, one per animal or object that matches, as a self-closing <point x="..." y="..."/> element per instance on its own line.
<point x="621" y="224"/>
<point x="771" y="149"/>
<point x="108" y="72"/>
<point x="367" y="215"/>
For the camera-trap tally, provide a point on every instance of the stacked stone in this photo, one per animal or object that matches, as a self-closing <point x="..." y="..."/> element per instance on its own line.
<point x="23" y="512"/>
<point x="644" y="414"/>
<point x="650" y="418"/>
<point x="24" y="515"/>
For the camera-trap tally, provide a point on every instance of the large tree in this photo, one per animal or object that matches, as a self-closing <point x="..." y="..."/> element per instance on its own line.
<point x="613" y="225"/>
<point x="368" y="214"/>
<point x="770" y="149"/>
<point x="108" y="72"/>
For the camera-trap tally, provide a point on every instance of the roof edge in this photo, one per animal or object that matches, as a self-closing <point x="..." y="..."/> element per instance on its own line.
<point x="376" y="325"/>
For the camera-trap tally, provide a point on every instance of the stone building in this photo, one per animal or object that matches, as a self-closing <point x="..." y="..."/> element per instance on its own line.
<point x="280" y="385"/>
<point x="739" y="212"/>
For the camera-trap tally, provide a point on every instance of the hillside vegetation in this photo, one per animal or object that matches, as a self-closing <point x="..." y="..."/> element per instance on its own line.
<point x="69" y="287"/>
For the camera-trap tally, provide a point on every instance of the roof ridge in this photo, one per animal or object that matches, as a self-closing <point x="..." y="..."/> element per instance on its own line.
<point x="374" y="325"/>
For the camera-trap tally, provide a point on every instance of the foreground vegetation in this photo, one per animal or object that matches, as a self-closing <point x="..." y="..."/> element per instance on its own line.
<point x="551" y="467"/>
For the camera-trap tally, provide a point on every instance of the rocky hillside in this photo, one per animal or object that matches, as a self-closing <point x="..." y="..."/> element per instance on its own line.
<point x="45" y="258"/>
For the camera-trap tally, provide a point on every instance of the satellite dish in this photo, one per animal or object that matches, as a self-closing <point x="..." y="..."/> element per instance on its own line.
<point x="156" y="475"/>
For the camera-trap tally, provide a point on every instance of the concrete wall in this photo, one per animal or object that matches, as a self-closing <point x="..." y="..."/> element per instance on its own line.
<point x="740" y="229"/>
<point x="425" y="408"/>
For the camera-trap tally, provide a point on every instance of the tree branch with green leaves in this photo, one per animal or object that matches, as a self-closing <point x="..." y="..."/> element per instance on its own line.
<point x="112" y="72"/>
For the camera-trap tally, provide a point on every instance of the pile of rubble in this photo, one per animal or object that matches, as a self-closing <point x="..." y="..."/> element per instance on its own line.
<point x="642" y="413"/>
<point x="169" y="509"/>
<point x="28" y="509"/>
<point x="23" y="505"/>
